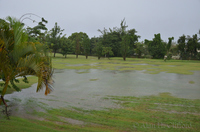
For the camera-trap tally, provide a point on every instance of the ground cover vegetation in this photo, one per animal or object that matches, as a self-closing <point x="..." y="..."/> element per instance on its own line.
<point x="25" y="52"/>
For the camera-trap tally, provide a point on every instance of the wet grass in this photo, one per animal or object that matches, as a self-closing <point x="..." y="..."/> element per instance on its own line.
<point x="151" y="113"/>
<point x="150" y="66"/>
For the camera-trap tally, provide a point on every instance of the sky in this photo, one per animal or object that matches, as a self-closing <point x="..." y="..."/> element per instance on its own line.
<point x="147" y="17"/>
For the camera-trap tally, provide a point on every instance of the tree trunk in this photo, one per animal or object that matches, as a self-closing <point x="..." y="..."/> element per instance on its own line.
<point x="4" y="102"/>
<point x="6" y="107"/>
<point x="65" y="56"/>
<point x="98" y="57"/>
<point x="76" y="55"/>
<point x="54" y="54"/>
<point x="124" y="58"/>
<point x="3" y="93"/>
<point x="86" y="56"/>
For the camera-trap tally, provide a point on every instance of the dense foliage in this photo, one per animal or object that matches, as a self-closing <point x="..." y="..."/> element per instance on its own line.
<point x="187" y="47"/>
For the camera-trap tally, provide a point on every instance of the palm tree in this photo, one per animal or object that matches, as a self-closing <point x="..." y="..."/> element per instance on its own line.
<point x="19" y="58"/>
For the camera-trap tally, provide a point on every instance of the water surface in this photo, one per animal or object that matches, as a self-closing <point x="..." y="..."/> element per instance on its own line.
<point x="87" y="90"/>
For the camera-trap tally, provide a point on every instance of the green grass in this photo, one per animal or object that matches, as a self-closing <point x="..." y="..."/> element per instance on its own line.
<point x="151" y="113"/>
<point x="150" y="66"/>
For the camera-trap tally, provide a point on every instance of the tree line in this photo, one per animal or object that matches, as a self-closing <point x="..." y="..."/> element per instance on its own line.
<point x="115" y="42"/>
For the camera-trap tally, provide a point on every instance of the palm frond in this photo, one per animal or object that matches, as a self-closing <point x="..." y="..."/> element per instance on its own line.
<point x="22" y="58"/>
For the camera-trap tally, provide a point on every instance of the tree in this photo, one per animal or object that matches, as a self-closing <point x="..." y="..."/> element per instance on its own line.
<point x="133" y="40"/>
<point x="113" y="38"/>
<point x="98" y="49"/>
<point x="174" y="49"/>
<point x="107" y="51"/>
<point x="182" y="46"/>
<point x="54" y="38"/>
<point x="125" y="46"/>
<point x="77" y="40"/>
<point x="139" y="49"/>
<point x="93" y="42"/>
<point x="86" y="46"/>
<point x="188" y="46"/>
<point x="156" y="47"/>
<point x="19" y="58"/>
<point x="168" y="46"/>
<point x="36" y="33"/>
<point x="192" y="46"/>
<point x="66" y="46"/>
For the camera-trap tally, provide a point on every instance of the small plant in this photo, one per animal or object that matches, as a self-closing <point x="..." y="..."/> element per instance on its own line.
<point x="191" y="82"/>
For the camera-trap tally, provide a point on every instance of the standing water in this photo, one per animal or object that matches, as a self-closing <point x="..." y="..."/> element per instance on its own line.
<point x="87" y="88"/>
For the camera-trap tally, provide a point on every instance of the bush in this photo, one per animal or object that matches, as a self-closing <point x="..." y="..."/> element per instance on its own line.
<point x="169" y="56"/>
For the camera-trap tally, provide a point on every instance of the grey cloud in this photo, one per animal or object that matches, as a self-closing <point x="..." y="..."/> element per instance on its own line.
<point x="148" y="17"/>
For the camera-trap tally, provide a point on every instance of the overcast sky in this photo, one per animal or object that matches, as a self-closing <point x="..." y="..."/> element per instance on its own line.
<point x="148" y="17"/>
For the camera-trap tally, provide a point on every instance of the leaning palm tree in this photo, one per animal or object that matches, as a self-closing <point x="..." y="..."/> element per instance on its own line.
<point x="19" y="58"/>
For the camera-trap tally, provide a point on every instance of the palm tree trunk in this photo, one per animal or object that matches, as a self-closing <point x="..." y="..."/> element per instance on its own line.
<point x="4" y="102"/>
<point x="4" y="90"/>
<point x="3" y="93"/>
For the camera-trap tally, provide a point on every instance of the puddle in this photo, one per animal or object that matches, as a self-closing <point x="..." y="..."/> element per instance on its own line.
<point x="92" y="64"/>
<point x="171" y="65"/>
<point x="58" y="71"/>
<point x="82" y="71"/>
<point x="143" y="64"/>
<point x="78" y="65"/>
<point x="88" y="91"/>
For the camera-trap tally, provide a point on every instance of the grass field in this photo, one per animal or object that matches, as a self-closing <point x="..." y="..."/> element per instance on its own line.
<point x="151" y="66"/>
<point x="150" y="113"/>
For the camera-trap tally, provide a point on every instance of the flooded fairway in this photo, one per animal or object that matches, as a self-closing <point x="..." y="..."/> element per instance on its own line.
<point x="88" y="88"/>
